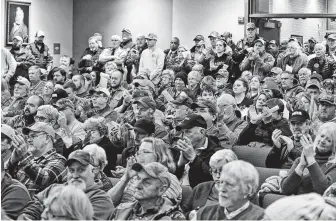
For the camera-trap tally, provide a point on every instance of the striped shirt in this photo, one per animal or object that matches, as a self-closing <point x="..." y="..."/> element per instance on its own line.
<point x="40" y="172"/>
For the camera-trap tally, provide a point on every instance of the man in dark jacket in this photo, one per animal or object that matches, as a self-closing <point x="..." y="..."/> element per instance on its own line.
<point x="171" y="59"/>
<point x="89" y="59"/>
<point x="196" y="149"/>
<point x="245" y="45"/>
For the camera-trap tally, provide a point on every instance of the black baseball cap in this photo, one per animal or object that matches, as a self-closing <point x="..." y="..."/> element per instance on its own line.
<point x="58" y="94"/>
<point x="299" y="116"/>
<point x="144" y="126"/>
<point x="191" y="121"/>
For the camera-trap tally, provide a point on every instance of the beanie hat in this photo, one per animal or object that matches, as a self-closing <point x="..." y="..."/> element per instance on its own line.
<point x="183" y="76"/>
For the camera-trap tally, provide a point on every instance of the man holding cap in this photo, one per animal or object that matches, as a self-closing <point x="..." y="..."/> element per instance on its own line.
<point x="286" y="149"/>
<point x="259" y="62"/>
<point x="41" y="52"/>
<point x="195" y="149"/>
<point x="152" y="59"/>
<point x="81" y="171"/>
<point x="35" y="163"/>
<point x="115" y="53"/>
<point x="23" y="57"/>
<point x="89" y="59"/>
<point x="153" y="181"/>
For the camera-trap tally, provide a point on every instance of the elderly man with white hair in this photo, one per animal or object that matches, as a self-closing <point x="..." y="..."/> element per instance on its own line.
<point x="206" y="193"/>
<point x="114" y="53"/>
<point x="238" y="184"/>
<point x="194" y="81"/>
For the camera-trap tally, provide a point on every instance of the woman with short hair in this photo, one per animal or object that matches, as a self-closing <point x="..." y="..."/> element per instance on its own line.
<point x="48" y="89"/>
<point x="315" y="170"/>
<point x="239" y="183"/>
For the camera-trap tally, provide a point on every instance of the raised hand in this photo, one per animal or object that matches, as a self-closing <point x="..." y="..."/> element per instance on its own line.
<point x="276" y="138"/>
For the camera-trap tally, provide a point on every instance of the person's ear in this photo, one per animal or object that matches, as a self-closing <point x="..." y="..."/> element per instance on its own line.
<point x="202" y="131"/>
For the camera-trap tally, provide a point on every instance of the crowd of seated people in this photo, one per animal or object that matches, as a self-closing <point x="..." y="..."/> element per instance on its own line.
<point x="222" y="130"/>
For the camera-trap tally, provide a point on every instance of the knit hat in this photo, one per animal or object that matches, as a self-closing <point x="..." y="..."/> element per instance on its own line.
<point x="183" y="76"/>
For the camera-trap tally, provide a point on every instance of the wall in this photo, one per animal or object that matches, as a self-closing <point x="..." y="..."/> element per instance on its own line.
<point x="192" y="17"/>
<point x="110" y="17"/>
<point x="55" y="19"/>
<point x="332" y="9"/>
<point x="310" y="27"/>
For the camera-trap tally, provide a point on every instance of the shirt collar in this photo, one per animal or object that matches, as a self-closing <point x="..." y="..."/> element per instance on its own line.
<point x="205" y="146"/>
<point x="231" y="215"/>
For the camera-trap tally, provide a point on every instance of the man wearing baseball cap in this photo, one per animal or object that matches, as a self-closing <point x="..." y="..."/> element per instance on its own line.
<point x="114" y="53"/>
<point x="287" y="148"/>
<point x="273" y="49"/>
<point x="208" y="110"/>
<point x="222" y="82"/>
<point x="127" y="42"/>
<point x="34" y="161"/>
<point x="41" y="52"/>
<point x="196" y="149"/>
<point x="245" y="45"/>
<point x="313" y="87"/>
<point x="148" y="196"/>
<point x="80" y="173"/>
<point x="259" y="62"/>
<point x="312" y="42"/>
<point x="7" y="135"/>
<point x="100" y="98"/>
<point x="23" y="57"/>
<point x="152" y="59"/>
<point x="331" y="42"/>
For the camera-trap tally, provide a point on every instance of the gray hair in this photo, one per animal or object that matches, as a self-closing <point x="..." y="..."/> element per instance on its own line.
<point x="226" y="155"/>
<point x="71" y="202"/>
<point x="320" y="45"/>
<point x="98" y="154"/>
<point x="330" y="127"/>
<point x="96" y="123"/>
<point x="247" y="175"/>
<point x="93" y="38"/>
<point x="50" y="111"/>
<point x="305" y="70"/>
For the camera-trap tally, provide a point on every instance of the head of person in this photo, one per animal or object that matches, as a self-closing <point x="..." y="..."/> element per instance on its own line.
<point x="144" y="107"/>
<point x="261" y="100"/>
<point x="247" y="75"/>
<point x="7" y="135"/>
<point x="17" y="42"/>
<point x="69" y="203"/>
<point x="167" y="77"/>
<point x="47" y="114"/>
<point x="48" y="88"/>
<point x="183" y="51"/>
<point x="208" y="93"/>
<point x="240" y="86"/>
<point x="40" y="138"/>
<point x="299" y="122"/>
<point x="312" y="43"/>
<point x="19" y="15"/>
<point x="331" y="41"/>
<point x="57" y="95"/>
<point x="259" y="45"/>
<point x="126" y="35"/>
<point x="251" y="30"/>
<point x="182" y="108"/>
<point x="174" y="44"/>
<point x="194" y="128"/>
<point x="65" y="60"/>
<point x="82" y="169"/>
<point x="97" y="154"/>
<point x="93" y="43"/>
<point x="213" y="36"/>
<point x="79" y="81"/>
<point x="320" y="50"/>
<point x="304" y="75"/>
<point x="273" y="48"/>
<point x="220" y="46"/>
<point x="58" y="75"/>
<point x="283" y="45"/>
<point x="325" y="139"/>
<point x="155" y="150"/>
<point x="141" y="41"/>
<point x="217" y="161"/>
<point x="66" y="106"/>
<point x="96" y="129"/>
<point x="327" y="107"/>
<point x="116" y="78"/>
<point x="194" y="78"/>
<point x="275" y="115"/>
<point x="21" y="87"/>
<point x="287" y="80"/>
<point x="110" y="66"/>
<point x="32" y="104"/>
<point x="255" y="83"/>
<point x="151" y="40"/>
<point x="100" y="97"/>
<point x="198" y="39"/>
<point x="71" y="88"/>
<point x="222" y="78"/>
<point x="34" y="73"/>
<point x="39" y="37"/>
<point x="207" y="109"/>
<point x="199" y="68"/>
<point x="313" y="87"/>
<point x="95" y="75"/>
<point x="115" y="41"/>
<point x="293" y="48"/>
<point x="153" y="180"/>
<point x="238" y="184"/>
<point x="99" y="39"/>
<point x="276" y="74"/>
<point x="226" y="107"/>
<point x="181" y="81"/>
<point x="269" y="86"/>
<point x="143" y="127"/>
<point x="144" y="85"/>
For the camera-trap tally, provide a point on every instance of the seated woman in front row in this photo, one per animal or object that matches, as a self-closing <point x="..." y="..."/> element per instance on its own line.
<point x="315" y="170"/>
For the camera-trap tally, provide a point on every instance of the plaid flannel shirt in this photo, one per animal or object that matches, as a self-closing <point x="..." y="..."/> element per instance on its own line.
<point x="38" y="173"/>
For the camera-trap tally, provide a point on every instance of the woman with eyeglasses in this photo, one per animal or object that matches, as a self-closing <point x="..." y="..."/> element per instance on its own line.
<point x="207" y="193"/>
<point x="47" y="91"/>
<point x="322" y="64"/>
<point x="294" y="59"/>
<point x="150" y="150"/>
<point x="69" y="203"/>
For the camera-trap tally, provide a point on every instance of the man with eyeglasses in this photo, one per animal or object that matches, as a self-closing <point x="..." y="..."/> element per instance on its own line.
<point x="326" y="110"/>
<point x="100" y="102"/>
<point x="27" y="118"/>
<point x="275" y="74"/>
<point x="81" y="171"/>
<point x="171" y="59"/>
<point x="115" y="53"/>
<point x="34" y="161"/>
